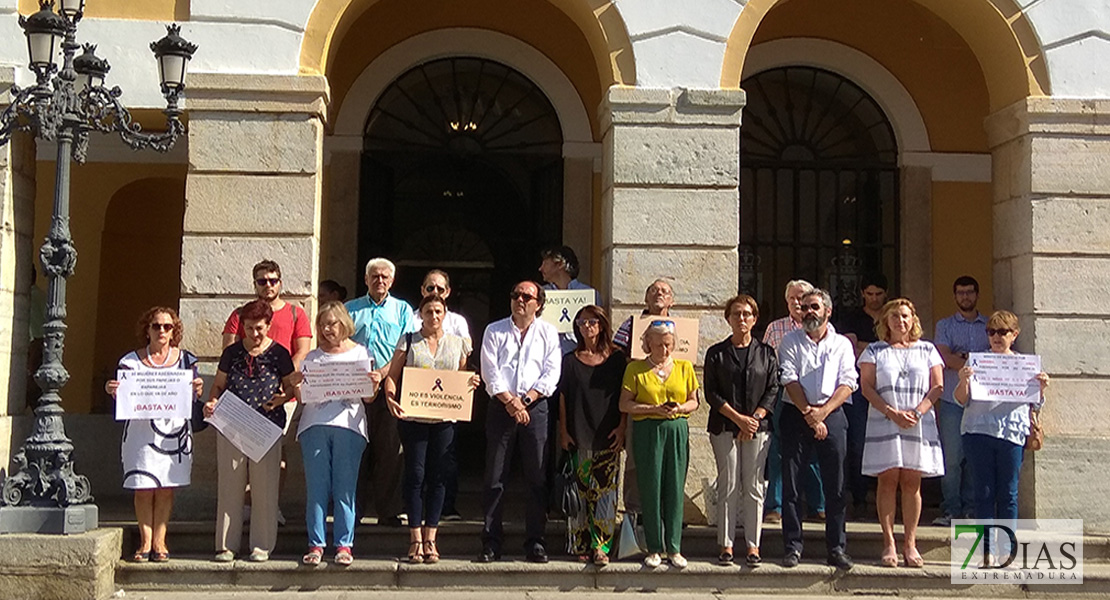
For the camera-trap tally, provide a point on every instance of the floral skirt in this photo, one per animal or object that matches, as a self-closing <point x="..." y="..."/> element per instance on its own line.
<point x="597" y="473"/>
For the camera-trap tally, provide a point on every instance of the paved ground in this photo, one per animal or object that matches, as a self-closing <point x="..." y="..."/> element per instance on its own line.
<point x="453" y="595"/>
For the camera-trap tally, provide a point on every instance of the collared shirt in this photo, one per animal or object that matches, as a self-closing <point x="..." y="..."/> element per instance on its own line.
<point x="778" y="330"/>
<point x="960" y="335"/>
<point x="379" y="325"/>
<point x="820" y="367"/>
<point x="453" y="323"/>
<point x="515" y="365"/>
<point x="567" y="341"/>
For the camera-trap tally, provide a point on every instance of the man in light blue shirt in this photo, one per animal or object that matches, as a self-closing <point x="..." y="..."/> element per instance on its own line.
<point x="380" y="321"/>
<point x="956" y="337"/>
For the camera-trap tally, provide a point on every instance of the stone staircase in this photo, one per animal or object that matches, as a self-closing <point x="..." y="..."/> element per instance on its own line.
<point x="378" y="566"/>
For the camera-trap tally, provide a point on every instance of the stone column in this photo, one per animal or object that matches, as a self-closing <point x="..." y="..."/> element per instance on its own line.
<point x="671" y="209"/>
<point x="17" y="257"/>
<point x="1052" y="268"/>
<point x="253" y="192"/>
<point x="339" y="251"/>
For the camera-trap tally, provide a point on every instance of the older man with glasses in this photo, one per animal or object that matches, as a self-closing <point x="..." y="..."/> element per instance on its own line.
<point x="380" y="320"/>
<point x="521" y="364"/>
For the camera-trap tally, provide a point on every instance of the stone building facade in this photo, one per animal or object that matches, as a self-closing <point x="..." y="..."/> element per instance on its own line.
<point x="977" y="144"/>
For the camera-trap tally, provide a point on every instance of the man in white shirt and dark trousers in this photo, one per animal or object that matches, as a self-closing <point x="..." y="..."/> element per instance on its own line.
<point x="521" y="361"/>
<point x="819" y="374"/>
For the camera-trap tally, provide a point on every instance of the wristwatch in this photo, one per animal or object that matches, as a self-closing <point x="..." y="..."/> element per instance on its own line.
<point x="918" y="413"/>
<point x="526" y="400"/>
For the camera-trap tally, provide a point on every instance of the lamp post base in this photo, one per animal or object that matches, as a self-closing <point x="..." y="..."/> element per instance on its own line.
<point x="43" y="519"/>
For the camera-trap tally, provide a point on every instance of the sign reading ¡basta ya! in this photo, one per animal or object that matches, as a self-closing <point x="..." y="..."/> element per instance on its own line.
<point x="561" y="306"/>
<point x="435" y="394"/>
<point x="685" y="338"/>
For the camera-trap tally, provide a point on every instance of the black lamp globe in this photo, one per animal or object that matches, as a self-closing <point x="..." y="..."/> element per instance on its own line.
<point x="44" y="30"/>
<point x="173" y="53"/>
<point x="91" y="69"/>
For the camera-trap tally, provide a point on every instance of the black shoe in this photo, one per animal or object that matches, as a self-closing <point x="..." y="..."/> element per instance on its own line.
<point x="725" y="558"/>
<point x="752" y="560"/>
<point x="451" y="516"/>
<point x="488" y="555"/>
<point x="537" y="554"/>
<point x="841" y="560"/>
<point x="791" y="559"/>
<point x="394" y="521"/>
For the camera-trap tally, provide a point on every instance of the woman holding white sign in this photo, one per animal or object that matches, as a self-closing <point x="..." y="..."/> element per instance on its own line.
<point x="157" y="453"/>
<point x="333" y="436"/>
<point x="901" y="376"/>
<point x="260" y="373"/>
<point x="994" y="433"/>
<point x="425" y="441"/>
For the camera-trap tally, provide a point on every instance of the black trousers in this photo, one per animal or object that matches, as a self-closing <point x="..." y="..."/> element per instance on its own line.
<point x="503" y="436"/>
<point x="797" y="444"/>
<point x="857" y="483"/>
<point x="379" y="475"/>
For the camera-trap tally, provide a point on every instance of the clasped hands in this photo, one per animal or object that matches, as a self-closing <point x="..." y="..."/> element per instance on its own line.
<point x="815" y="418"/>
<point x="516" y="409"/>
<point x="748" y="427"/>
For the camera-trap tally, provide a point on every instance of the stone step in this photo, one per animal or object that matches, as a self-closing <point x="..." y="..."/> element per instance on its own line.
<point x="201" y="575"/>
<point x="462" y="539"/>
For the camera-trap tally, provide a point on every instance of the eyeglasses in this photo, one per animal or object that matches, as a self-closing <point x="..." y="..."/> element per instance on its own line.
<point x="161" y="326"/>
<point x="439" y="289"/>
<point x="267" y="281"/>
<point x="592" y="322"/>
<point x="993" y="332"/>
<point x="744" y="314"/>
<point x="526" y="298"/>
<point x="812" y="306"/>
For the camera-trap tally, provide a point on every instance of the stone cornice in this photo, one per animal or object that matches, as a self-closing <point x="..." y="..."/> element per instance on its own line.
<point x="286" y="94"/>
<point x="647" y="106"/>
<point x="1049" y="116"/>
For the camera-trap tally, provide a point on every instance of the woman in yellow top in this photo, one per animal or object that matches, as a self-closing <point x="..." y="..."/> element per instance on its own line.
<point x="659" y="393"/>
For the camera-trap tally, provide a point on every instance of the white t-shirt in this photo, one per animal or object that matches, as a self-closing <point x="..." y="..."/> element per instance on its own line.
<point x="343" y="412"/>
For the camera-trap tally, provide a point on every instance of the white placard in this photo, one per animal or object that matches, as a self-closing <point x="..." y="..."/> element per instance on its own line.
<point x="561" y="305"/>
<point x="246" y="428"/>
<point x="154" y="394"/>
<point x="328" y="381"/>
<point x="1005" y="377"/>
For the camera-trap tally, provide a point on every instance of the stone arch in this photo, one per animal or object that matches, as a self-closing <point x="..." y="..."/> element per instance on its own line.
<point x="997" y="32"/>
<point x="143" y="227"/>
<point x="599" y="21"/>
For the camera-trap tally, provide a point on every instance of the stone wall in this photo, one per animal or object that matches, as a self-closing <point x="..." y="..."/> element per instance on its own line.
<point x="1051" y="268"/>
<point x="670" y="208"/>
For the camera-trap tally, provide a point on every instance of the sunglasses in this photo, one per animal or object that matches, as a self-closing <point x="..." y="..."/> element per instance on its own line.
<point x="592" y="322"/>
<point x="267" y="281"/>
<point x="526" y="298"/>
<point x="993" y="332"/>
<point x="812" y="306"/>
<point x="161" y="326"/>
<point x="435" y="288"/>
<point x="665" y="324"/>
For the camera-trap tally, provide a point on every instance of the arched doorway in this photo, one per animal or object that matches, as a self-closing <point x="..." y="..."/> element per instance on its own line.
<point x="462" y="170"/>
<point x="818" y="186"/>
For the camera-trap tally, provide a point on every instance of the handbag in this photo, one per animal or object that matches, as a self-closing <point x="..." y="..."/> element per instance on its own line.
<point x="632" y="538"/>
<point x="565" y="499"/>
<point x="1035" y="440"/>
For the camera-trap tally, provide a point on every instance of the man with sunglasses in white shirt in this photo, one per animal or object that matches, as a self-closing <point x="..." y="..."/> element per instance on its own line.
<point x="521" y="363"/>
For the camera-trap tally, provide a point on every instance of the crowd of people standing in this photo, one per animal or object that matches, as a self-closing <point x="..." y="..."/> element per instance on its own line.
<point x="799" y="421"/>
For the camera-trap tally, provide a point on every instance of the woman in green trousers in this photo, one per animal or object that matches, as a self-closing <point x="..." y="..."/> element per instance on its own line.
<point x="659" y="393"/>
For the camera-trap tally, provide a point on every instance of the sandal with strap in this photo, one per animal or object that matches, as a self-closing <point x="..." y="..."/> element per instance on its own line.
<point x="431" y="554"/>
<point x="140" y="557"/>
<point x="600" y="558"/>
<point x="889" y="559"/>
<point x="343" y="556"/>
<point x="313" y="557"/>
<point x="913" y="558"/>
<point x="416" y="555"/>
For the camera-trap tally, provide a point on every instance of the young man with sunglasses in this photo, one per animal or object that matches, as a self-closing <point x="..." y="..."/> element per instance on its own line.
<point x="819" y="374"/>
<point x="521" y="364"/>
<point x="957" y="336"/>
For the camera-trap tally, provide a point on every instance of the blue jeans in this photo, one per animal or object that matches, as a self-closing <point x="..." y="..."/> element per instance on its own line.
<point x="995" y="466"/>
<point x="815" y="496"/>
<point x="957" y="481"/>
<point x="331" y="459"/>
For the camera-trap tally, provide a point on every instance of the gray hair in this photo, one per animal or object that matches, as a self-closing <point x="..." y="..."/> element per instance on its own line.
<point x="806" y="286"/>
<point x="376" y="263"/>
<point x="826" y="299"/>
<point x="659" y="280"/>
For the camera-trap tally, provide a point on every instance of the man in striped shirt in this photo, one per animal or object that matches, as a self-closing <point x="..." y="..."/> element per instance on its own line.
<point x="815" y="497"/>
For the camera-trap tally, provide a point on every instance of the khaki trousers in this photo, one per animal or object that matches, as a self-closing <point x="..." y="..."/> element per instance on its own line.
<point x="740" y="486"/>
<point x="234" y="470"/>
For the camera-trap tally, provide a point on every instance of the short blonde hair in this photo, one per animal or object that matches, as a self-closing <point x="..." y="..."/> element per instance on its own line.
<point x="1003" y="319"/>
<point x="346" y="325"/>
<point x="882" y="330"/>
<point x="657" y="327"/>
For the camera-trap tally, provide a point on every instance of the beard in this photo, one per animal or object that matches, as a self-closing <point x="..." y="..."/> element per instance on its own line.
<point x="966" y="305"/>
<point x="811" y="323"/>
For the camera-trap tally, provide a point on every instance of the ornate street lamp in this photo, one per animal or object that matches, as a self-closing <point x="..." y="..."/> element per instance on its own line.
<point x="45" y="494"/>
